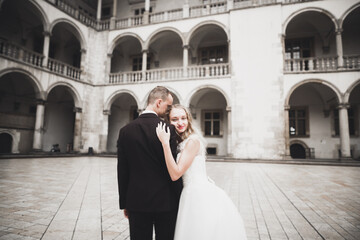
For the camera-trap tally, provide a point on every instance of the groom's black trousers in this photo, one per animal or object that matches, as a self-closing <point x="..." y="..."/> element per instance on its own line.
<point x="141" y="225"/>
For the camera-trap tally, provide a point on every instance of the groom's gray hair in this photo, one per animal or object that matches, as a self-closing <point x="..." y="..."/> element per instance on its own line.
<point x="158" y="92"/>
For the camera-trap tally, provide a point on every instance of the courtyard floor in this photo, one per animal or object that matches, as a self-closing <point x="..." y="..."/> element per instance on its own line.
<point x="76" y="198"/>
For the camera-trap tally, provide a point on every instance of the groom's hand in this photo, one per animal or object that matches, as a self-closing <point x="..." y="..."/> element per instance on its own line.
<point x="126" y="213"/>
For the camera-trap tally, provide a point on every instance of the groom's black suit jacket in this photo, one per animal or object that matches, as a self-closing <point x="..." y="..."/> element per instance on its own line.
<point x="143" y="180"/>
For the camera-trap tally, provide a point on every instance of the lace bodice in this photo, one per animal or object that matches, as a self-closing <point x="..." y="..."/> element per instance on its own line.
<point x="196" y="173"/>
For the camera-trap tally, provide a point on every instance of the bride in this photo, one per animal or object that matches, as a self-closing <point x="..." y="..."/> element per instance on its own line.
<point x="205" y="211"/>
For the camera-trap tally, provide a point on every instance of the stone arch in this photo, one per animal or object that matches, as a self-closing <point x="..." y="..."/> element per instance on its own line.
<point x="113" y="96"/>
<point x="164" y="29"/>
<point x="350" y="89"/>
<point x="74" y="30"/>
<point x="15" y="139"/>
<point x="43" y="16"/>
<point x="74" y="93"/>
<point x="347" y="12"/>
<point x="302" y="144"/>
<point x="209" y="22"/>
<point x="127" y="34"/>
<point x="194" y="91"/>
<point x="39" y="91"/>
<point x="309" y="9"/>
<point x="328" y="84"/>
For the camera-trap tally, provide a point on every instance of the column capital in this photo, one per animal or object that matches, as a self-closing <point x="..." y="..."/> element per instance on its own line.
<point x="228" y="109"/>
<point x="77" y="110"/>
<point x="140" y="110"/>
<point x="186" y="46"/>
<point x="343" y="106"/>
<point x="145" y="51"/>
<point x="287" y="107"/>
<point x="110" y="55"/>
<point x="107" y="112"/>
<point x="338" y="31"/>
<point x="40" y="102"/>
<point x="83" y="50"/>
<point x="47" y="34"/>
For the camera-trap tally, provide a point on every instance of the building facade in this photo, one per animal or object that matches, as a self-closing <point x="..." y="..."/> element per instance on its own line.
<point x="264" y="79"/>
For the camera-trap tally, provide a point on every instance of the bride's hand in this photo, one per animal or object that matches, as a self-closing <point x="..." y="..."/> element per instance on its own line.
<point x="163" y="132"/>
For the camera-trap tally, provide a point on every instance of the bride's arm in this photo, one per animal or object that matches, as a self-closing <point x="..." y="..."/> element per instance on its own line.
<point x="187" y="155"/>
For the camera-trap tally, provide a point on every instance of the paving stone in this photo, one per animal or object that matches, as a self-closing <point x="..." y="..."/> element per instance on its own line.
<point x="77" y="198"/>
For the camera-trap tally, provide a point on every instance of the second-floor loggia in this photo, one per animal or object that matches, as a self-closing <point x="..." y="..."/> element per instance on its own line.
<point x="28" y="38"/>
<point x="167" y="55"/>
<point x="315" y="41"/>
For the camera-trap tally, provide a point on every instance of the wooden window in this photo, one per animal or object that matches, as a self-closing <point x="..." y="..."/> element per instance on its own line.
<point x="299" y="122"/>
<point x="212" y="123"/>
<point x="137" y="63"/>
<point x="353" y="131"/>
<point x="298" y="49"/>
<point x="213" y="55"/>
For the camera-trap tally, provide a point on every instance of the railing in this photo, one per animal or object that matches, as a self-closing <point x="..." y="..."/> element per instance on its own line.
<point x="208" y="8"/>
<point x="250" y="3"/>
<point x="125" y="77"/>
<point x="352" y="62"/>
<point x="166" y="16"/>
<point x="311" y="64"/>
<point x="178" y="73"/>
<point x="166" y="73"/>
<point x="128" y="22"/>
<point x="63" y="69"/>
<point x="296" y="1"/>
<point x="17" y="52"/>
<point x="212" y="70"/>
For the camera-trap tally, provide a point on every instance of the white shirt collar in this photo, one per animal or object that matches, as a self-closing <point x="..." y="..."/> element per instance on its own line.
<point x="149" y="111"/>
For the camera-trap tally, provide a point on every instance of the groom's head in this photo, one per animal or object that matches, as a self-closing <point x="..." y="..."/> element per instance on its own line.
<point x="159" y="100"/>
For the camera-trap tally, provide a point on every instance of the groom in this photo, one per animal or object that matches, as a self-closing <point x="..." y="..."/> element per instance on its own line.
<point x="147" y="194"/>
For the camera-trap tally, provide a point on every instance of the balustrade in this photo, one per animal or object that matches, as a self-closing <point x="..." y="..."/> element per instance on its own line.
<point x="14" y="51"/>
<point x="166" y="74"/>
<point x="311" y="64"/>
<point x="352" y="62"/>
<point x="250" y="3"/>
<point x="208" y="8"/>
<point x="63" y="69"/>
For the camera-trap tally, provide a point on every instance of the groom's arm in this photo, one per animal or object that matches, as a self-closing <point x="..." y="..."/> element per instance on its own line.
<point x="122" y="171"/>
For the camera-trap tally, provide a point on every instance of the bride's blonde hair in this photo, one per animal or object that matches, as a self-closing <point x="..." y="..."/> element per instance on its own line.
<point x="190" y="129"/>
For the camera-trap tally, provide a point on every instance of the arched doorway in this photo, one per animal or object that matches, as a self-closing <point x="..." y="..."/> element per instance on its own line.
<point x="123" y="110"/>
<point x="59" y="119"/>
<point x="208" y="108"/>
<point x="297" y="151"/>
<point x="354" y="121"/>
<point x="6" y="142"/>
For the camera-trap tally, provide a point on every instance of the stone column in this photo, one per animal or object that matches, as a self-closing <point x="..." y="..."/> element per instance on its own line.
<point x="287" y="131"/>
<point x="229" y="132"/>
<point x="144" y="63"/>
<point x="186" y="9"/>
<point x="77" y="129"/>
<point x="98" y="15"/>
<point x="339" y="49"/>
<point x="185" y="59"/>
<point x="344" y="131"/>
<point x="47" y="36"/>
<point x="229" y="57"/>
<point x="104" y="131"/>
<point x="83" y="64"/>
<point x="230" y="4"/>
<point x="39" y="124"/>
<point x="114" y="15"/>
<point x="147" y="12"/>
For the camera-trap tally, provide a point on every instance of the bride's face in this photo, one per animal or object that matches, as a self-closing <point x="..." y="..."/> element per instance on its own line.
<point x="178" y="118"/>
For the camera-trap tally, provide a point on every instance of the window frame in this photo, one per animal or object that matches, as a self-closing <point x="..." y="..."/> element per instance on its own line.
<point x="221" y="122"/>
<point x="307" y="120"/>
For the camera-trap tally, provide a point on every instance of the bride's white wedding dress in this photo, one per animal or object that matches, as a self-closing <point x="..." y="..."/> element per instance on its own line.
<point x="205" y="210"/>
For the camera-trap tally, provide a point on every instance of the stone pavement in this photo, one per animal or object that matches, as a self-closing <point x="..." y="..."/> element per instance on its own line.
<point x="76" y="198"/>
